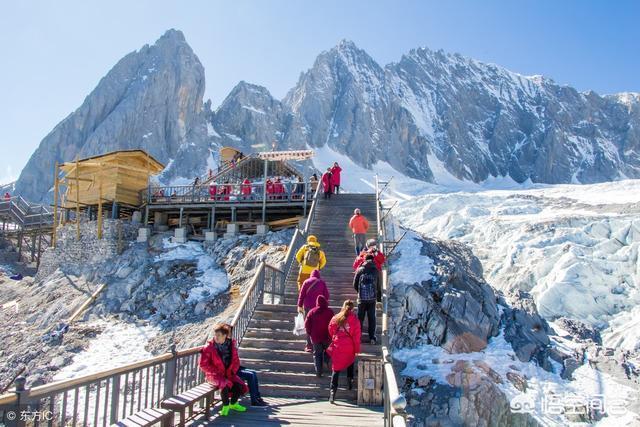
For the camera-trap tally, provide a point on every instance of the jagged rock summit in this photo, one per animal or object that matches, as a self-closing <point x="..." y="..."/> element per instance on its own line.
<point x="151" y="99"/>
<point x="433" y="116"/>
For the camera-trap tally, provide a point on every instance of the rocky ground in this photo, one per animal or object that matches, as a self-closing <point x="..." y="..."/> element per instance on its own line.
<point x="465" y="352"/>
<point x="178" y="291"/>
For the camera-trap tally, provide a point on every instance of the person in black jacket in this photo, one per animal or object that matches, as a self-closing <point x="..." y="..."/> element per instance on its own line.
<point x="367" y="283"/>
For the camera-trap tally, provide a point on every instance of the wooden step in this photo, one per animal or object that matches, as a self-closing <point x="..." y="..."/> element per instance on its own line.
<point x="287" y="355"/>
<point x="283" y="334"/>
<point x="319" y="392"/>
<point x="295" y="344"/>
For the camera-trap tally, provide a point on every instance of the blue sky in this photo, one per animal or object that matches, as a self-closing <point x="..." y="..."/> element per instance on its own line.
<point x="55" y="52"/>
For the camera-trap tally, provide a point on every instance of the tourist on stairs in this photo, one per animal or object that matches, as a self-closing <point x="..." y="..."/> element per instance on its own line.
<point x="310" y="257"/>
<point x="359" y="226"/>
<point x="311" y="288"/>
<point x="344" y="330"/>
<point x="314" y="183"/>
<point x="220" y="362"/>
<point x="335" y="177"/>
<point x="317" y="326"/>
<point x="372" y="248"/>
<point x="327" y="183"/>
<point x="367" y="283"/>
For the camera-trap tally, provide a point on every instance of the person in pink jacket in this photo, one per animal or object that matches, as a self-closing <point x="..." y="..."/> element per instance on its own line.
<point x="311" y="288"/>
<point x="327" y="183"/>
<point x="344" y="330"/>
<point x="335" y="177"/>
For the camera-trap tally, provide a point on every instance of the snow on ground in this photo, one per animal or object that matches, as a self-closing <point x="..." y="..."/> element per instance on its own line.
<point x="357" y="179"/>
<point x="573" y="247"/>
<point x="213" y="278"/>
<point x="437" y="363"/>
<point x="119" y="344"/>
<point x="408" y="266"/>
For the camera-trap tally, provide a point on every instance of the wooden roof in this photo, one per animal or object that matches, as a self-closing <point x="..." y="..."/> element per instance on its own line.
<point x="115" y="156"/>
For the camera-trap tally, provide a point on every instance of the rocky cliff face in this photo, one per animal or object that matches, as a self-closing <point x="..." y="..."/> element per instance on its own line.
<point x="433" y="111"/>
<point x="432" y="115"/>
<point x="151" y="99"/>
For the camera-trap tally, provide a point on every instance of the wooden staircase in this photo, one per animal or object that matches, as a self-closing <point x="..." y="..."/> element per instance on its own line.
<point x="269" y="346"/>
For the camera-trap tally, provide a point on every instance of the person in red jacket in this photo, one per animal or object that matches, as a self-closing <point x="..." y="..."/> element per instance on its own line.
<point x="327" y="183"/>
<point x="317" y="326"/>
<point x="213" y="192"/>
<point x="7" y="196"/>
<point x="220" y="363"/>
<point x="246" y="188"/>
<point x="335" y="177"/>
<point x="372" y="248"/>
<point x="270" y="189"/>
<point x="311" y="288"/>
<point x="344" y="330"/>
<point x="278" y="188"/>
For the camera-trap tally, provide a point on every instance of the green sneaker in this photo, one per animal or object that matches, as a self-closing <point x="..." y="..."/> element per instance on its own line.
<point x="237" y="407"/>
<point x="225" y="410"/>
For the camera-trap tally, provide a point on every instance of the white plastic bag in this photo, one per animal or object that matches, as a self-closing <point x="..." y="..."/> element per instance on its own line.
<point x="298" y="327"/>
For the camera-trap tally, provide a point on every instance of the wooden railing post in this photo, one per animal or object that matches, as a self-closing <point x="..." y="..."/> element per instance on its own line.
<point x="21" y="393"/>
<point x="170" y="373"/>
<point x="115" y="398"/>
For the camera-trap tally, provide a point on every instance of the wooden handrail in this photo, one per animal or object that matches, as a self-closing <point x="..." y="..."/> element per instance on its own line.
<point x="46" y="389"/>
<point x="254" y="282"/>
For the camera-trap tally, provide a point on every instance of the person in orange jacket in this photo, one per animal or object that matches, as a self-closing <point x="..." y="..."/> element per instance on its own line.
<point x="359" y="226"/>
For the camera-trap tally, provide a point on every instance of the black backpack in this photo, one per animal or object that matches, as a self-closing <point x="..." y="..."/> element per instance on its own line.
<point x="367" y="284"/>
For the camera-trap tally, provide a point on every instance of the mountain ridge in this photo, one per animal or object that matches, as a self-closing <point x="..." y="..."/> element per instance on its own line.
<point x="430" y="110"/>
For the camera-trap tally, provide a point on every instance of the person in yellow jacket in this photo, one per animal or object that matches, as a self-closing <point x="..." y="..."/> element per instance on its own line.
<point x="310" y="257"/>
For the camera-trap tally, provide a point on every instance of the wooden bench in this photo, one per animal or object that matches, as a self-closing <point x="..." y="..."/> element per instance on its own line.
<point x="147" y="418"/>
<point x="183" y="401"/>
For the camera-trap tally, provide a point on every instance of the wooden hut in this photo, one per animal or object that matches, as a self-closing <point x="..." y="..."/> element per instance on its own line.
<point x="116" y="177"/>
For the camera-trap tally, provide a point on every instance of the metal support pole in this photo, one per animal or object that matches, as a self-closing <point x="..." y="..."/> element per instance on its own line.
<point x="234" y="215"/>
<point x="114" y="210"/>
<point x="212" y="225"/>
<point x="306" y="191"/>
<point x="146" y="216"/>
<point x="180" y="222"/>
<point x="264" y="192"/>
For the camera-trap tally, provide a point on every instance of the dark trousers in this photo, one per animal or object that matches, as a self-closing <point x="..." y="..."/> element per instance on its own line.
<point x="359" y="241"/>
<point x="335" y="376"/>
<point x="336" y="189"/>
<point x="327" y="194"/>
<point x="252" y="381"/>
<point x="368" y="309"/>
<point x="319" y="356"/>
<point x="234" y="391"/>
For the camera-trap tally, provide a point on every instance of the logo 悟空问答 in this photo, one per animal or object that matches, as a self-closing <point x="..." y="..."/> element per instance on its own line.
<point x="522" y="404"/>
